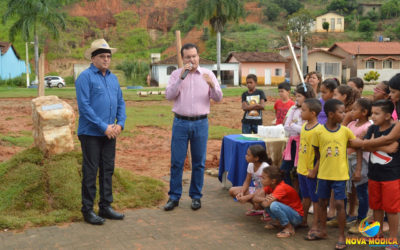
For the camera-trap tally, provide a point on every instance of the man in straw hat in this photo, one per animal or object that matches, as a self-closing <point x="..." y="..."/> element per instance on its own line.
<point x="101" y="119"/>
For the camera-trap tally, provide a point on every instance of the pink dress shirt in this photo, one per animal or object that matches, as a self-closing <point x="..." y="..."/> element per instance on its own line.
<point x="192" y="95"/>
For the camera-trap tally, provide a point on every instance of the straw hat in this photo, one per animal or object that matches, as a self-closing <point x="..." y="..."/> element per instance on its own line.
<point x="98" y="44"/>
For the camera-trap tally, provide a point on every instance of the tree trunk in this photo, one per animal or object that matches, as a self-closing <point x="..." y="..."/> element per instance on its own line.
<point x="36" y="56"/>
<point x="219" y="57"/>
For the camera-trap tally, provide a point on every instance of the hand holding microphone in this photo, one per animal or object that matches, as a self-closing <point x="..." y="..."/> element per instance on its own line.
<point x="188" y="68"/>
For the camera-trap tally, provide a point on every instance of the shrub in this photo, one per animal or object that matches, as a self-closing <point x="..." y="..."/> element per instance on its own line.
<point x="372" y="75"/>
<point x="272" y="11"/>
<point x="14" y="82"/>
<point x="69" y="81"/>
<point x="325" y="26"/>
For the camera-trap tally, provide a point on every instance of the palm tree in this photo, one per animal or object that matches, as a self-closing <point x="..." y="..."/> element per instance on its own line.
<point x="30" y="14"/>
<point x="218" y="13"/>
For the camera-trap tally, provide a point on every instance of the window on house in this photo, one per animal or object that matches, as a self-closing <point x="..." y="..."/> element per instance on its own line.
<point x="318" y="67"/>
<point x="252" y="71"/>
<point x="332" y="69"/>
<point x="170" y="69"/>
<point x="387" y="64"/>
<point x="370" y="64"/>
<point x="323" y="20"/>
<point x="339" y="21"/>
<point x="278" y="72"/>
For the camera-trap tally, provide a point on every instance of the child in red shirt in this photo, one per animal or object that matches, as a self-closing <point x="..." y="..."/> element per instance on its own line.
<point x="283" y="105"/>
<point x="280" y="201"/>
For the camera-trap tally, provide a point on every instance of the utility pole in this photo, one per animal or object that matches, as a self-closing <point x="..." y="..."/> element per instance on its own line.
<point x="27" y="64"/>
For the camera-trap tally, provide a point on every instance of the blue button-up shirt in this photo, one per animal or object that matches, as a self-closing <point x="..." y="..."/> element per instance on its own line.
<point x="100" y="102"/>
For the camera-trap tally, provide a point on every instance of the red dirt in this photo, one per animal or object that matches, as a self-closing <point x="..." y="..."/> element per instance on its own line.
<point x="148" y="152"/>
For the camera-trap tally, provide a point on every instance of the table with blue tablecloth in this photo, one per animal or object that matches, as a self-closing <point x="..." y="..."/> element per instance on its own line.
<point x="233" y="164"/>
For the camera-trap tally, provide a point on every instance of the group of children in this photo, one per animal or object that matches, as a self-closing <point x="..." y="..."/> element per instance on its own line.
<point x="335" y="148"/>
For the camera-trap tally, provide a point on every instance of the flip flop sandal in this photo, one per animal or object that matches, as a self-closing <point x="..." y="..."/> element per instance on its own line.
<point x="253" y="212"/>
<point x="311" y="236"/>
<point x="340" y="245"/>
<point x="284" y="234"/>
<point x="271" y="226"/>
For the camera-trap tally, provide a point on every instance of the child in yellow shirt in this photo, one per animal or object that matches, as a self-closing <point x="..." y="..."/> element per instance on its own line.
<point x="332" y="141"/>
<point x="305" y="166"/>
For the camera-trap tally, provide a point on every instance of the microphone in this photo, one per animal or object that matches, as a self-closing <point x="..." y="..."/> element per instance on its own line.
<point x="186" y="72"/>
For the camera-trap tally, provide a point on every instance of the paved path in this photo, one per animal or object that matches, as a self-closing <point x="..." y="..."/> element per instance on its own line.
<point x="219" y="224"/>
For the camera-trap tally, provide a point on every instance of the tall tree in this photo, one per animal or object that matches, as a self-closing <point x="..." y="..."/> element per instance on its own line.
<point x="30" y="14"/>
<point x="218" y="13"/>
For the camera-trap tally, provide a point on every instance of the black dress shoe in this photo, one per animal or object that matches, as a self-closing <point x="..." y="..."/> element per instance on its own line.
<point x="109" y="213"/>
<point x="196" y="204"/>
<point x="171" y="204"/>
<point x="92" y="218"/>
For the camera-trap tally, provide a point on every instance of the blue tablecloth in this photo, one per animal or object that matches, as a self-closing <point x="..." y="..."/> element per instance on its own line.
<point x="233" y="158"/>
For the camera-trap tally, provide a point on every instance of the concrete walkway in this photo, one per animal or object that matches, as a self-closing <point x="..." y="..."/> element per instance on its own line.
<point x="219" y="224"/>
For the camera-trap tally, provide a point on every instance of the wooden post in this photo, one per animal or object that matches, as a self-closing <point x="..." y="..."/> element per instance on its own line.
<point x="180" y="65"/>
<point x="178" y="48"/>
<point x="41" y="75"/>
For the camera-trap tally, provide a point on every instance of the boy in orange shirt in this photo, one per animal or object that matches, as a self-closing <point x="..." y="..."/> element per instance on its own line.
<point x="283" y="105"/>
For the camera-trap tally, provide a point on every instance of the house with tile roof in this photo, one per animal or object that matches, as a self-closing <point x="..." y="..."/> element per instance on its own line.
<point x="318" y="59"/>
<point x="362" y="57"/>
<point x="11" y="65"/>
<point x="269" y="67"/>
<point x="327" y="63"/>
<point x="161" y="70"/>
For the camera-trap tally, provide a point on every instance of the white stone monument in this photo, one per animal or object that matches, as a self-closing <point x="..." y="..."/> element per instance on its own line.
<point x="53" y="125"/>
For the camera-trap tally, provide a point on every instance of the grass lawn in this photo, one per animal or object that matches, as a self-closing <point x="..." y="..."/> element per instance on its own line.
<point x="37" y="191"/>
<point x="69" y="93"/>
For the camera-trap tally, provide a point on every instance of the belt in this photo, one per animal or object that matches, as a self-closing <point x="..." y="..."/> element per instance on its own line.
<point x="191" y="118"/>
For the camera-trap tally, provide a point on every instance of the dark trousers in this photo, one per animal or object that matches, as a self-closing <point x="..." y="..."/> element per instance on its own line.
<point x="98" y="153"/>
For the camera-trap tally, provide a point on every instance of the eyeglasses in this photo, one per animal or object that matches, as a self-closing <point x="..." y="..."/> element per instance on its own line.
<point x="378" y="90"/>
<point x="105" y="56"/>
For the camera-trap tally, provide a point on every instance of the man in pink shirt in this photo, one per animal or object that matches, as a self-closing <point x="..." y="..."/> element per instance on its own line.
<point x="191" y="89"/>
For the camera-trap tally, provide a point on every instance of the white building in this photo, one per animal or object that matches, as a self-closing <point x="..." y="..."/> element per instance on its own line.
<point x="161" y="70"/>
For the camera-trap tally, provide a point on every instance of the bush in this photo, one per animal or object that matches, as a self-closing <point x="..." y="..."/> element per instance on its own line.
<point x="390" y="9"/>
<point x="325" y="26"/>
<point x="69" y="81"/>
<point x="291" y="6"/>
<point x="136" y="71"/>
<point x="14" y="82"/>
<point x="372" y="75"/>
<point x="272" y="11"/>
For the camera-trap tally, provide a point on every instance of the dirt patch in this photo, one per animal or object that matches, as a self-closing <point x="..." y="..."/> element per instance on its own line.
<point x="148" y="152"/>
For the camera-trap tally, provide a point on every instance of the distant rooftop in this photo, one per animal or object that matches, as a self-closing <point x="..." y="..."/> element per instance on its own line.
<point x="256" y="57"/>
<point x="369" y="48"/>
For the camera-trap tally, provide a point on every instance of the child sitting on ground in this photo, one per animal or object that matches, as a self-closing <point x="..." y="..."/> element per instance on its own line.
<point x="258" y="160"/>
<point x="384" y="170"/>
<point x="357" y="186"/>
<point x="333" y="170"/>
<point x="282" y="105"/>
<point x="280" y="201"/>
<point x="305" y="168"/>
<point x="253" y="101"/>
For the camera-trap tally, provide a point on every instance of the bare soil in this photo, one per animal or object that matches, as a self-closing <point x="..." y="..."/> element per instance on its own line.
<point x="148" y="152"/>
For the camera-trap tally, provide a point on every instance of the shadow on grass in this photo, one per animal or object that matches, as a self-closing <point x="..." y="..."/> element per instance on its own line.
<point x="38" y="191"/>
